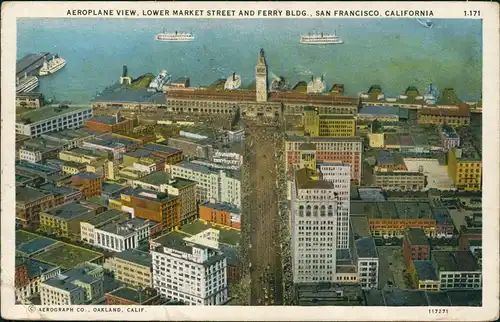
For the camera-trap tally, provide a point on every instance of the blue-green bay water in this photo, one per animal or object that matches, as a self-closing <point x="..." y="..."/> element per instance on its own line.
<point x="393" y="53"/>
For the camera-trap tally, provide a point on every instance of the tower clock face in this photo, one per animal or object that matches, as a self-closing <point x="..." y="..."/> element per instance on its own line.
<point x="261" y="70"/>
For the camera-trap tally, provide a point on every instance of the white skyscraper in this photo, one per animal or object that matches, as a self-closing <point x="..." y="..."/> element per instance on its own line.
<point x="339" y="174"/>
<point x="314" y="228"/>
<point x="190" y="269"/>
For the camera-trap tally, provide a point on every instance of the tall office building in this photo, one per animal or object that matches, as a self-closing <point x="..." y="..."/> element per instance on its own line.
<point x="314" y="227"/>
<point x="339" y="174"/>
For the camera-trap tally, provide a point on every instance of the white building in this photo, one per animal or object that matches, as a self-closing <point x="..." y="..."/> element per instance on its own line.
<point x="212" y="186"/>
<point x="190" y="269"/>
<point x="367" y="261"/>
<point x="87" y="227"/>
<point x="314" y="228"/>
<point x="51" y="119"/>
<point x="72" y="287"/>
<point x="120" y="236"/>
<point x="339" y="174"/>
<point x="37" y="272"/>
<point x="458" y="270"/>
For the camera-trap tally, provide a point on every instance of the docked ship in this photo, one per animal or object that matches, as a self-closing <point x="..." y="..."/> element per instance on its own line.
<point x="279" y="84"/>
<point x="233" y="82"/>
<point x="316" y="85"/>
<point x="425" y="22"/>
<point x="156" y="84"/>
<point x="26" y="84"/>
<point x="321" y="39"/>
<point x="52" y="66"/>
<point x="174" y="36"/>
<point x="432" y="95"/>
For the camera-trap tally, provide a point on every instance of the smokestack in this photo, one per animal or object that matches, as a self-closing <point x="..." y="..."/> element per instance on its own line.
<point x="234" y="77"/>
<point x="312" y="78"/>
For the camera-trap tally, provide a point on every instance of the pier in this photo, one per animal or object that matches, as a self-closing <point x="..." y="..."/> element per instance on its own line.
<point x="30" y="64"/>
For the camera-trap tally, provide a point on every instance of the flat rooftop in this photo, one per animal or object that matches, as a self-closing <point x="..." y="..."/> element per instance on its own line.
<point x="175" y="240"/>
<point x="160" y="148"/>
<point x="44" y="113"/>
<point x="304" y="180"/>
<point x="151" y="195"/>
<point x="132" y="294"/>
<point x="139" y="153"/>
<point x="425" y="270"/>
<point x="222" y="207"/>
<point x="60" y="190"/>
<point x="136" y="256"/>
<point x="67" y="256"/>
<point x="416" y="236"/>
<point x="27" y="194"/>
<point x="227" y="236"/>
<point x="110" y="188"/>
<point x="126" y="227"/>
<point x="195" y="167"/>
<point x="392" y="209"/>
<point x="454" y="261"/>
<point x="365" y="247"/>
<point x="69" y="211"/>
<point x="122" y="94"/>
<point x="88" y="175"/>
<point x="384" y="110"/>
<point x="105" y="217"/>
<point x="68" y="134"/>
<point x="360" y="226"/>
<point x="34" y="245"/>
<point x="107" y="119"/>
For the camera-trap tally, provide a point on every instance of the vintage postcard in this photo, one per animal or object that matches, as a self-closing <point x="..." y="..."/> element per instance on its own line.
<point x="228" y="161"/>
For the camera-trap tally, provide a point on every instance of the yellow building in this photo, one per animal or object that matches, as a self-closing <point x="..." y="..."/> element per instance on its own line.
<point x="464" y="168"/>
<point x="132" y="267"/>
<point x="80" y="155"/>
<point x="70" y="167"/>
<point x="376" y="140"/>
<point x="330" y="125"/>
<point x="65" y="220"/>
<point x="451" y="115"/>
<point x="424" y="275"/>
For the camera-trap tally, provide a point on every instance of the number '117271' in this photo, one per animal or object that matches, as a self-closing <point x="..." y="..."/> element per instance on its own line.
<point x="472" y="13"/>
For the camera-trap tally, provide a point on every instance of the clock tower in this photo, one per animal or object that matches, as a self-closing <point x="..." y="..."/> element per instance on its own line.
<point x="261" y="78"/>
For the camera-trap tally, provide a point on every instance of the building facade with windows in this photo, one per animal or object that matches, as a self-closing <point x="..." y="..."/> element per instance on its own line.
<point x="132" y="267"/>
<point x="457" y="270"/>
<point x="346" y="150"/>
<point x="120" y="236"/>
<point x="52" y="119"/>
<point x="212" y="185"/>
<point x="314" y="228"/>
<point x="465" y="168"/>
<point x="190" y="269"/>
<point x="316" y="124"/>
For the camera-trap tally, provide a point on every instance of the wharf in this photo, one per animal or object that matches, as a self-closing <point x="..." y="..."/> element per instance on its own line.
<point x="30" y="64"/>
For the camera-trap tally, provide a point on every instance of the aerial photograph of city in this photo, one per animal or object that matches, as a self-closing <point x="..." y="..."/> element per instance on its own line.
<point x="331" y="162"/>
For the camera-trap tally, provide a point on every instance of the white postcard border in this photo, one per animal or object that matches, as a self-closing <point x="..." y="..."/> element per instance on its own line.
<point x="491" y="196"/>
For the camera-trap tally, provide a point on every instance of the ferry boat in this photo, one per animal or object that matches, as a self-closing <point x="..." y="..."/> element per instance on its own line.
<point x="175" y="36"/>
<point x="233" y="82"/>
<point x="316" y="85"/>
<point x="321" y="39"/>
<point x="52" y="66"/>
<point x="425" y="22"/>
<point x="26" y="84"/>
<point x="156" y="84"/>
<point x="432" y="95"/>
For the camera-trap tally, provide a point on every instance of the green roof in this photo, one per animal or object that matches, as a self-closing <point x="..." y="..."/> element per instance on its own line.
<point x="227" y="236"/>
<point x="48" y="112"/>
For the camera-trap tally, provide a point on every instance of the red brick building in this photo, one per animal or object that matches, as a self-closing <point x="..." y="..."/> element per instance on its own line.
<point x="340" y="149"/>
<point x="221" y="214"/>
<point x="169" y="154"/>
<point x="21" y="278"/>
<point x="107" y="123"/>
<point x="130" y="296"/>
<point x="90" y="184"/>
<point x="415" y="246"/>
